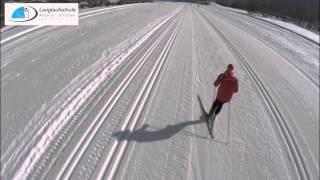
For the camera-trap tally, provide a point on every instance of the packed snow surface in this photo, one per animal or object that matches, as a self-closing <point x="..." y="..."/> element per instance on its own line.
<point x="287" y="25"/>
<point x="125" y="95"/>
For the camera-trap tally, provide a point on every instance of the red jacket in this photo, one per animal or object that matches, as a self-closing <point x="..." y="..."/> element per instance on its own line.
<point x="228" y="85"/>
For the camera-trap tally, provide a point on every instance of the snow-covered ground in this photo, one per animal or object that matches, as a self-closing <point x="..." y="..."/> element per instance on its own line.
<point x="125" y="94"/>
<point x="309" y="34"/>
<point x="287" y="25"/>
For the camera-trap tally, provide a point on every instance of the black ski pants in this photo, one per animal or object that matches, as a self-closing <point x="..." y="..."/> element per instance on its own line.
<point x="216" y="107"/>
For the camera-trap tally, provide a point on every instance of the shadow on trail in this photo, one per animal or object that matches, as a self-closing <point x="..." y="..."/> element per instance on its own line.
<point x="145" y="135"/>
<point x="204" y="113"/>
<point x="149" y="133"/>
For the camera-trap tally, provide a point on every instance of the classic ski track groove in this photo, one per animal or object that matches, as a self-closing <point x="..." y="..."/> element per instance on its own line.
<point x="287" y="136"/>
<point x="158" y="82"/>
<point x="104" y="112"/>
<point x="312" y="80"/>
<point x="118" y="149"/>
<point x="85" y="105"/>
<point x="20" y="150"/>
<point x="96" y="101"/>
<point x="273" y="24"/>
<point x="84" y="108"/>
<point x="280" y="27"/>
<point x="195" y="71"/>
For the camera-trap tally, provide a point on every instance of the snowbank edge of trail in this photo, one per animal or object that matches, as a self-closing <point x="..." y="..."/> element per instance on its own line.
<point x="293" y="28"/>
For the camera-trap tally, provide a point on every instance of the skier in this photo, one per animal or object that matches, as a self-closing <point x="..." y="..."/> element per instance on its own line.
<point x="228" y="84"/>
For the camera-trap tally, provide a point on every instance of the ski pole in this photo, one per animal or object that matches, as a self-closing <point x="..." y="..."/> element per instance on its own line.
<point x="214" y="97"/>
<point x="214" y="93"/>
<point x="228" y="122"/>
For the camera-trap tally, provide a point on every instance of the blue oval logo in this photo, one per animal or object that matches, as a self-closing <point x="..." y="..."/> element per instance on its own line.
<point x="24" y="13"/>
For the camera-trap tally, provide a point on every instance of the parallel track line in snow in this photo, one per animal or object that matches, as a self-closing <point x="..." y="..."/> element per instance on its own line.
<point x="314" y="82"/>
<point x="39" y="149"/>
<point x="194" y="147"/>
<point x="94" y="101"/>
<point x="20" y="152"/>
<point x="98" y="121"/>
<point x="104" y="112"/>
<point x="118" y="148"/>
<point x="111" y="8"/>
<point x="287" y="136"/>
<point x="81" y="15"/>
<point x="281" y="28"/>
<point x="147" y="111"/>
<point x="273" y="24"/>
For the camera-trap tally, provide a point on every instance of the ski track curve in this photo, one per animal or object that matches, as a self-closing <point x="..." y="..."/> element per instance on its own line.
<point x="314" y="81"/>
<point x="52" y="137"/>
<point x="281" y="27"/>
<point x="291" y="145"/>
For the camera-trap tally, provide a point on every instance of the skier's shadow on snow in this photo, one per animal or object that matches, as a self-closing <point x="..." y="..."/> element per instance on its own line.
<point x="149" y="133"/>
